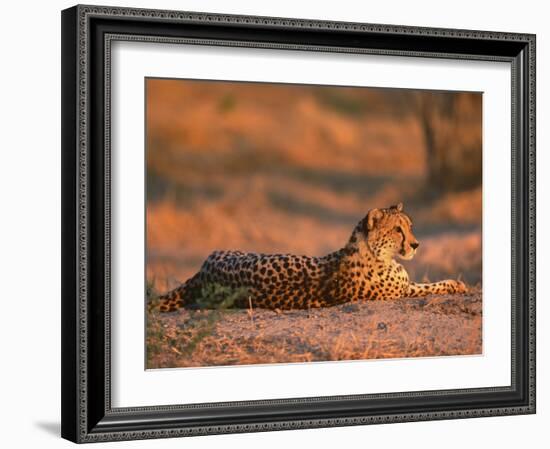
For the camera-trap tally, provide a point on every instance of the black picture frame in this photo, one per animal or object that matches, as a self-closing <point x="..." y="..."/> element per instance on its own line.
<point x="87" y="414"/>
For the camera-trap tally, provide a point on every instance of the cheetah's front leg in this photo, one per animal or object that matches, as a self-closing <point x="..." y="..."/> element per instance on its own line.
<point x="441" y="287"/>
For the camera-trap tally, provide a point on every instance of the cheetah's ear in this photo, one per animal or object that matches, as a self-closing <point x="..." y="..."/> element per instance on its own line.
<point x="372" y="217"/>
<point x="399" y="207"/>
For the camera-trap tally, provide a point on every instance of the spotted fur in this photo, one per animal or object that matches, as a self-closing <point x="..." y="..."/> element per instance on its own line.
<point x="364" y="269"/>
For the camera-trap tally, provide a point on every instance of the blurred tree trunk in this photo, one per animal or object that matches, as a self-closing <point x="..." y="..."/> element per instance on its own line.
<point x="451" y="127"/>
<point x="427" y="109"/>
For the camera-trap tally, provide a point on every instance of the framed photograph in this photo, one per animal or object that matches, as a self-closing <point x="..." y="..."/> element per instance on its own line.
<point x="277" y="224"/>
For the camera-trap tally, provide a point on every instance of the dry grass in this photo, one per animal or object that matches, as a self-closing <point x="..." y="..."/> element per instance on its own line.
<point x="179" y="239"/>
<point x="411" y="327"/>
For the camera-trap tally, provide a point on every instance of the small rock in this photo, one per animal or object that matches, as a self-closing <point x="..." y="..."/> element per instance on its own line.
<point x="382" y="326"/>
<point x="349" y="308"/>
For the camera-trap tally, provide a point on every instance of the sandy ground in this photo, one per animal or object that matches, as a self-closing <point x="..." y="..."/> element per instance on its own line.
<point x="410" y="327"/>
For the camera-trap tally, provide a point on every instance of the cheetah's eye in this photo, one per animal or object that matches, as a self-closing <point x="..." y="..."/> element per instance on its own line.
<point x="398" y="229"/>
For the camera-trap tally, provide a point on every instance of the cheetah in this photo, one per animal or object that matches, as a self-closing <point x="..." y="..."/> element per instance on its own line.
<point x="363" y="270"/>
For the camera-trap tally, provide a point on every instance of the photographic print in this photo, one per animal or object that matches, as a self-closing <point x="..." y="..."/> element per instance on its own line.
<point x="292" y="223"/>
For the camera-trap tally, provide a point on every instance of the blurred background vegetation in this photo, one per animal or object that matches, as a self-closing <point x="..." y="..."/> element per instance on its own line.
<point x="292" y="168"/>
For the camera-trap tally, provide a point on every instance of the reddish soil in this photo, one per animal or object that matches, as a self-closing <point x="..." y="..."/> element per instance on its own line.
<point x="410" y="327"/>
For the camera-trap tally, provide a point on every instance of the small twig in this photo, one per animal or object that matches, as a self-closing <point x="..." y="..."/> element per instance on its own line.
<point x="250" y="309"/>
<point x="175" y="350"/>
<point x="426" y="277"/>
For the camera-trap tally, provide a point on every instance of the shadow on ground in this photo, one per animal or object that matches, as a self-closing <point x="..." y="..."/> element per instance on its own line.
<point x="50" y="427"/>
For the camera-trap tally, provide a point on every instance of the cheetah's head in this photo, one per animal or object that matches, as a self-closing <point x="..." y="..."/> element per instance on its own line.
<point x="388" y="233"/>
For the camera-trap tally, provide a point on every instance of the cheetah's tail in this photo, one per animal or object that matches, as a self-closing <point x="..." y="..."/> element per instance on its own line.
<point x="174" y="299"/>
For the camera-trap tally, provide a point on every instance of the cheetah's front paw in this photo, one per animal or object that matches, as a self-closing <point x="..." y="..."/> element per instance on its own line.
<point x="458" y="286"/>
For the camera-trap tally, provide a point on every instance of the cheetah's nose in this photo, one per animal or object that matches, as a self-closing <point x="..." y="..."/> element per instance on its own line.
<point x="415" y="245"/>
